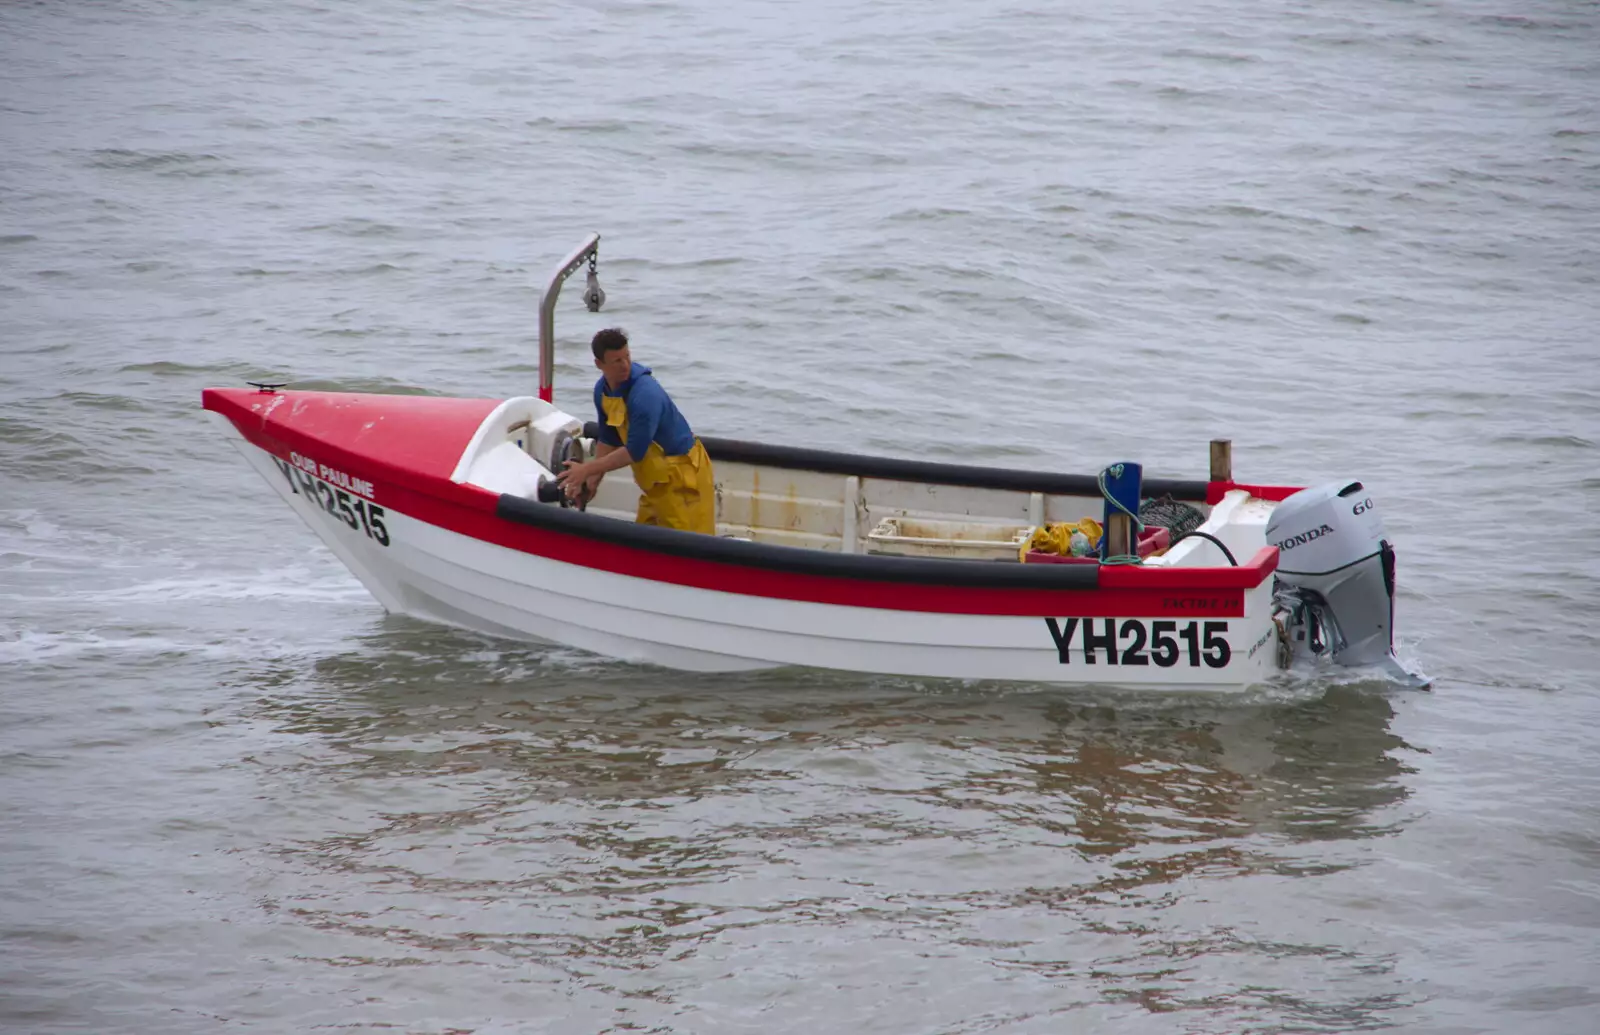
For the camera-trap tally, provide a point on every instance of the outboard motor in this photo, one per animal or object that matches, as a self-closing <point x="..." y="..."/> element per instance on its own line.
<point x="1336" y="572"/>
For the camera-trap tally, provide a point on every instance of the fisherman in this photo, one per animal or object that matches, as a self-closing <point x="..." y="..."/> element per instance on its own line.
<point x="639" y="425"/>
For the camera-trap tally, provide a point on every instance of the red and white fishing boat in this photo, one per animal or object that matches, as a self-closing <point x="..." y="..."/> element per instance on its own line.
<point x="446" y="509"/>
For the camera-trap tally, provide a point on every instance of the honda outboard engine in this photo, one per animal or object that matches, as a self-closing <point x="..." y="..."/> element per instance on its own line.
<point x="1336" y="572"/>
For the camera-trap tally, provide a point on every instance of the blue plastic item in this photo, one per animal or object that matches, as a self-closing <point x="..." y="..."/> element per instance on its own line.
<point x="1121" y="484"/>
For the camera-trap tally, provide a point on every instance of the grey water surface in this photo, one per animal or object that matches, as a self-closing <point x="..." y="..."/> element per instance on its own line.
<point x="1359" y="239"/>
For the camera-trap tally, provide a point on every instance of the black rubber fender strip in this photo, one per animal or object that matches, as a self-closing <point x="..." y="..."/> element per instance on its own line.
<point x="795" y="458"/>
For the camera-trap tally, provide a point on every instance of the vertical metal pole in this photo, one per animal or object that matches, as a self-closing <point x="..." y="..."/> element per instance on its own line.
<point x="849" y="542"/>
<point x="547" y="314"/>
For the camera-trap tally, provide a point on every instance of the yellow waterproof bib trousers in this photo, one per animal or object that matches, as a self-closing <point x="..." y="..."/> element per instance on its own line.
<point x="676" y="491"/>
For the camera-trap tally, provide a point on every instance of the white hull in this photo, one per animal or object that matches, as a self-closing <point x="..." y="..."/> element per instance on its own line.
<point x="441" y="575"/>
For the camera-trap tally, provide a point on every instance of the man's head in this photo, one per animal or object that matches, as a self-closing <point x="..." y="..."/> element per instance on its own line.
<point x="611" y="356"/>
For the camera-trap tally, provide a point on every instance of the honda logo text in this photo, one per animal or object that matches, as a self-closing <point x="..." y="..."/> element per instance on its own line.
<point x="1305" y="537"/>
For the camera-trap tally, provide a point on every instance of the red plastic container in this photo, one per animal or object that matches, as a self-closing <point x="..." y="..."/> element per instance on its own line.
<point x="1153" y="538"/>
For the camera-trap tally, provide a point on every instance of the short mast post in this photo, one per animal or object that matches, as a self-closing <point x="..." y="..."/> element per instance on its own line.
<point x="1222" y="459"/>
<point x="590" y="250"/>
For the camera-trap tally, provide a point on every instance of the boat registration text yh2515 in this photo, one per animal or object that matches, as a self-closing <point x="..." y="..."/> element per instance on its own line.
<point x="1162" y="642"/>
<point x="301" y="472"/>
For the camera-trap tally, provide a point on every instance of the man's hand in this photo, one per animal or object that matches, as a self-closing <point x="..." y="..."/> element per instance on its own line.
<point x="577" y="481"/>
<point x="583" y="476"/>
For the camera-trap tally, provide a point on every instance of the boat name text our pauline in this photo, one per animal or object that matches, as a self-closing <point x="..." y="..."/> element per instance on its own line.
<point x="359" y="486"/>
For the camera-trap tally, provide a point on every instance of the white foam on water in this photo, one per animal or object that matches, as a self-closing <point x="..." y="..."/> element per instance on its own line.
<point x="36" y="646"/>
<point x="293" y="583"/>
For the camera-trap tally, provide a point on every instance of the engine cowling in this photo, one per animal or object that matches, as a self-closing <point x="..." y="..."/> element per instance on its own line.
<point x="1336" y="571"/>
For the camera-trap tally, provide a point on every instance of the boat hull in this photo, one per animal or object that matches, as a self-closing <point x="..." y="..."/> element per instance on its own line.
<point x="463" y="563"/>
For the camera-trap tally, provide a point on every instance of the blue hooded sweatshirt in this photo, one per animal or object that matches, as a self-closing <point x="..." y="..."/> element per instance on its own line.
<point x="651" y="415"/>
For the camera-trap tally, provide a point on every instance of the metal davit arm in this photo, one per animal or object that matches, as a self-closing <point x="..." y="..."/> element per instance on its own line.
<point x="592" y="296"/>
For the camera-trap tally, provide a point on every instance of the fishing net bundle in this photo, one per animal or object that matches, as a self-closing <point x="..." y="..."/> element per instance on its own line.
<point x="1175" y="516"/>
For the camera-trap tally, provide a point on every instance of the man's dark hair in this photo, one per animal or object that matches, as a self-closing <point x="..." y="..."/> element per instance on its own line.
<point x="608" y="340"/>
